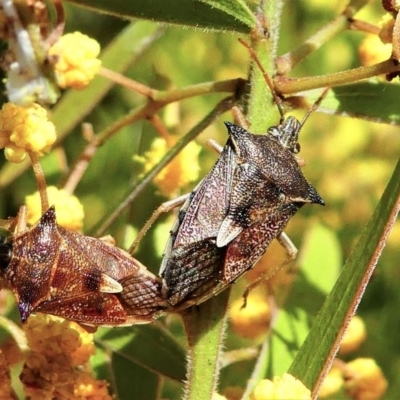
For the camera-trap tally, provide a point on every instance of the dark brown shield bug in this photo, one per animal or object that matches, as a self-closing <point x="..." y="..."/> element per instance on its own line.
<point x="53" y="270"/>
<point x="229" y="220"/>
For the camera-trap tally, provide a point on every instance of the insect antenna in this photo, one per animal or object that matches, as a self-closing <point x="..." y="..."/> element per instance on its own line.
<point x="314" y="106"/>
<point x="277" y="99"/>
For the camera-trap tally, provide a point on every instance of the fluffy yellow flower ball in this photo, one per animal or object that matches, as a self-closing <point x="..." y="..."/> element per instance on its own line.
<point x="364" y="380"/>
<point x="69" y="210"/>
<point x="51" y="369"/>
<point x="183" y="169"/>
<point x="285" y="387"/>
<point x="332" y="383"/>
<point x="354" y="337"/>
<point x="252" y="321"/>
<point x="76" y="61"/>
<point x="25" y="129"/>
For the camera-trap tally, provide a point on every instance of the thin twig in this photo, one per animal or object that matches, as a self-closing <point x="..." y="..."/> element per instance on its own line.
<point x="127" y="82"/>
<point x="288" y="86"/>
<point x="40" y="180"/>
<point x="83" y="161"/>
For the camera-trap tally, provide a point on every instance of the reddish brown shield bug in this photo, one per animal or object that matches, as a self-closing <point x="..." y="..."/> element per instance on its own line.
<point x="229" y="220"/>
<point x="57" y="271"/>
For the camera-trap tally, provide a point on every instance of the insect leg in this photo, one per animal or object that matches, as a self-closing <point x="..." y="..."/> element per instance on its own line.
<point x="239" y="118"/>
<point x="164" y="208"/>
<point x="169" y="205"/>
<point x="291" y="251"/>
<point x="288" y="245"/>
<point x="213" y="145"/>
<point x="21" y="220"/>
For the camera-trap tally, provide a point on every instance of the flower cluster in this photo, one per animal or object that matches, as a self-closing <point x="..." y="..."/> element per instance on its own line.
<point x="75" y="60"/>
<point x="5" y="379"/>
<point x="25" y="129"/>
<point x="68" y="208"/>
<point x="285" y="387"/>
<point x="183" y="169"/>
<point x="364" y="380"/>
<point x="57" y="364"/>
<point x="252" y="321"/>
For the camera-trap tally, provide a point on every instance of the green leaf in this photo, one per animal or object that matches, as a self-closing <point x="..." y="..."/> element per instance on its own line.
<point x="372" y="100"/>
<point x="320" y="260"/>
<point x="149" y="346"/>
<point x="134" y="381"/>
<point x="323" y="340"/>
<point x="226" y="15"/>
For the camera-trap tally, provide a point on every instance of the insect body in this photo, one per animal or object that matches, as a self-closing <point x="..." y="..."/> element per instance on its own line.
<point x="244" y="203"/>
<point x="54" y="270"/>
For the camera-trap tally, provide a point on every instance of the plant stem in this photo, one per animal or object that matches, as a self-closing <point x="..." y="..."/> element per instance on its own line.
<point x="205" y="327"/>
<point x="40" y="179"/>
<point x="294" y="85"/>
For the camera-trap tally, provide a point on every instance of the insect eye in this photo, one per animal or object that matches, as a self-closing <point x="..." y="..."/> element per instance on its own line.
<point x="296" y="149"/>
<point x="5" y="253"/>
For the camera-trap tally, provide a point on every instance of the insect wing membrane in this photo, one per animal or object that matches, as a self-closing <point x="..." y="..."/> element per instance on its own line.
<point x="191" y="258"/>
<point x="141" y="297"/>
<point x="204" y="211"/>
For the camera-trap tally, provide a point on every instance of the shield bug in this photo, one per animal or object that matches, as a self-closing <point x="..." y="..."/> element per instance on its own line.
<point x="53" y="270"/>
<point x="229" y="220"/>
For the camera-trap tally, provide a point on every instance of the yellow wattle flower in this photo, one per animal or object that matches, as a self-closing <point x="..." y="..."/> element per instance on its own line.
<point x="24" y="129"/>
<point x="285" y="387"/>
<point x="50" y="369"/>
<point x="364" y="379"/>
<point x="69" y="210"/>
<point x="76" y="61"/>
<point x="181" y="171"/>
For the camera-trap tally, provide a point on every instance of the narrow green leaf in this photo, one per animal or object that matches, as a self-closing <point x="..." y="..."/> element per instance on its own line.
<point x="372" y="100"/>
<point x="127" y="380"/>
<point x="226" y="15"/>
<point x="149" y="346"/>
<point x="323" y="340"/>
<point x="75" y="105"/>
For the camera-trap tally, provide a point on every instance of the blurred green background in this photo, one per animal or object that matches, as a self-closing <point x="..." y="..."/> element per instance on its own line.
<point x="349" y="160"/>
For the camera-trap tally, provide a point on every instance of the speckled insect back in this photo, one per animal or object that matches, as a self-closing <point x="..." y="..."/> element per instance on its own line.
<point x="244" y="203"/>
<point x="227" y="223"/>
<point x="57" y="271"/>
